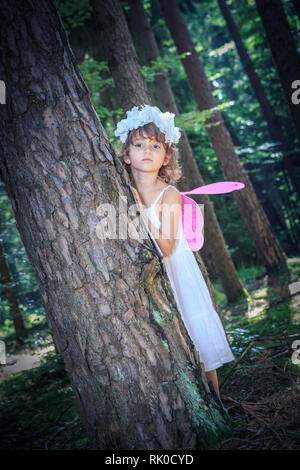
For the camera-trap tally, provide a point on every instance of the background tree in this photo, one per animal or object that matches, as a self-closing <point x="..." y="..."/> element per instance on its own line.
<point x="284" y="51"/>
<point x="267" y="246"/>
<point x="22" y="286"/>
<point x="10" y="293"/>
<point x="274" y="127"/>
<point x="261" y="158"/>
<point x="126" y="352"/>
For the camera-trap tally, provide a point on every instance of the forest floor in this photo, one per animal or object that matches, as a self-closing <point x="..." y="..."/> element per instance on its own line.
<point x="261" y="392"/>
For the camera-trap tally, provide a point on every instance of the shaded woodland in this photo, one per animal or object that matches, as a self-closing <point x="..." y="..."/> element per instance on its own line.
<point x="97" y="356"/>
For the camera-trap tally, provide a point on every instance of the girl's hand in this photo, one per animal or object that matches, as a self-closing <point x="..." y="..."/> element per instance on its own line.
<point x="138" y="199"/>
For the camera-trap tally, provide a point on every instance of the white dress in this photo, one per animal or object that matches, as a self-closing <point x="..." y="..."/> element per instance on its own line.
<point x="192" y="298"/>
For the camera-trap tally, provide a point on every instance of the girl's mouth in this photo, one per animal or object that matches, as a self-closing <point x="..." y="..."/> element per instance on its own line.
<point x="147" y="160"/>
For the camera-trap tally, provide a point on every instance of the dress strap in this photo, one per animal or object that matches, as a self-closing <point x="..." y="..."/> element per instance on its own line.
<point x="164" y="193"/>
<point x="157" y="198"/>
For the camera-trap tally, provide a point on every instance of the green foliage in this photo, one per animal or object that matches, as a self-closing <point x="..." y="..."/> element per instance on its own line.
<point x="250" y="272"/>
<point x="23" y="279"/>
<point x="195" y="120"/>
<point x="74" y="13"/>
<point x="270" y="322"/>
<point x="38" y="411"/>
<point x="98" y="81"/>
<point x="221" y="299"/>
<point x="295" y="268"/>
<point x="102" y="88"/>
<point x="162" y="65"/>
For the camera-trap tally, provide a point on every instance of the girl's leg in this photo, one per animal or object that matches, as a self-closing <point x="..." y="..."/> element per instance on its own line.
<point x="212" y="375"/>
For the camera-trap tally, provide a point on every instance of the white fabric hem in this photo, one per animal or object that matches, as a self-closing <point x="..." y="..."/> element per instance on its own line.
<point x="216" y="365"/>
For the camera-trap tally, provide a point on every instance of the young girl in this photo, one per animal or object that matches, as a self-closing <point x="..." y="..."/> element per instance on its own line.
<point x="150" y="156"/>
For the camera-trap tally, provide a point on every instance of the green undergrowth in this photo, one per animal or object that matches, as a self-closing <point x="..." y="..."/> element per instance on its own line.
<point x="262" y="393"/>
<point x="38" y="411"/>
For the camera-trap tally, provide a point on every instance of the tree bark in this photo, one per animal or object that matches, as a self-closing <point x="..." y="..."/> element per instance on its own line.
<point x="284" y="51"/>
<point x="12" y="299"/>
<point x="120" y="54"/>
<point x="266" y="244"/>
<point x="273" y="124"/>
<point x="110" y="308"/>
<point x="214" y="246"/>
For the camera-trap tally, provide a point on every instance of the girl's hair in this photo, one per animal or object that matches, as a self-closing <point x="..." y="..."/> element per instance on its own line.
<point x="170" y="173"/>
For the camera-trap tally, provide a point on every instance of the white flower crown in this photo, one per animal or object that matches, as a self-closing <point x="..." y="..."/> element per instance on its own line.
<point x="138" y="118"/>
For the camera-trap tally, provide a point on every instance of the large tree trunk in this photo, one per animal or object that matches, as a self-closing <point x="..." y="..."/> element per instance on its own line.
<point x="284" y="51"/>
<point x="12" y="299"/>
<point x="266" y="244"/>
<point x="214" y="246"/>
<point x="108" y="303"/>
<point x="273" y="124"/>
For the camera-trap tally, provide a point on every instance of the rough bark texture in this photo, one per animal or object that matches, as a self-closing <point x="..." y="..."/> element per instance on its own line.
<point x="272" y="122"/>
<point x="12" y="299"/>
<point x="284" y="51"/>
<point x="266" y="244"/>
<point x="214" y="246"/>
<point x="108" y="303"/>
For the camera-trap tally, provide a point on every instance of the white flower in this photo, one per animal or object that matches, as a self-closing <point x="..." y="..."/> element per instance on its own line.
<point x="139" y="117"/>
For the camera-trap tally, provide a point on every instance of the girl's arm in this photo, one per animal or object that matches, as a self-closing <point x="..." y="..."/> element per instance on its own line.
<point x="171" y="212"/>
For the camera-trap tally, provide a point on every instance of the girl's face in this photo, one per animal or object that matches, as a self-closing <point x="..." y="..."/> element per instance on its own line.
<point x="146" y="154"/>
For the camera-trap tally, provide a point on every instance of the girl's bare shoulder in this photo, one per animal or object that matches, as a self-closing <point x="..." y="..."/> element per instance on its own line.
<point x="172" y="196"/>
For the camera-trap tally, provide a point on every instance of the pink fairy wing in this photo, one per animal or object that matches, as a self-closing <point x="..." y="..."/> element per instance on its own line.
<point x="217" y="188"/>
<point x="191" y="215"/>
<point x="192" y="222"/>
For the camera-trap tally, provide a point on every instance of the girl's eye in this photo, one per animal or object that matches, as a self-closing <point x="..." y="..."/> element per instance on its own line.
<point x="156" y="146"/>
<point x="138" y="145"/>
